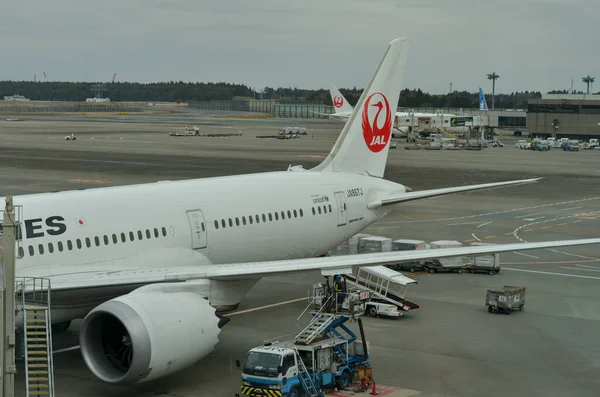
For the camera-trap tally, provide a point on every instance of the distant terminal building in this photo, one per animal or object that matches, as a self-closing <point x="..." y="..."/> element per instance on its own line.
<point x="564" y="116"/>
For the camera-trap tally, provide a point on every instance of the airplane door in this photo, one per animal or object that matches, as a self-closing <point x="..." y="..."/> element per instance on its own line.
<point x="198" y="228"/>
<point x="342" y="211"/>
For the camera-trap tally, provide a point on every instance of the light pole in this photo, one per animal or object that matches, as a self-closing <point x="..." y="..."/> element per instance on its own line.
<point x="588" y="80"/>
<point x="493" y="76"/>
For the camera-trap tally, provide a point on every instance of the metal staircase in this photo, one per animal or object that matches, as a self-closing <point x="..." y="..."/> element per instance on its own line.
<point x="34" y="297"/>
<point x="307" y="383"/>
<point x="315" y="328"/>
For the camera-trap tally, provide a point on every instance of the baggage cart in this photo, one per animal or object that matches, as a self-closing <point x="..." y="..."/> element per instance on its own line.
<point x="506" y="300"/>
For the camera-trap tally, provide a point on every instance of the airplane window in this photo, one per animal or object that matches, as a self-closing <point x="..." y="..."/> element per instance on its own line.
<point x="289" y="215"/>
<point x="329" y="208"/>
<point x="344" y="206"/>
<point x="114" y="236"/>
<point x="41" y="249"/>
<point x="60" y="246"/>
<point x="78" y="244"/>
<point x="237" y="221"/>
<point x="148" y="233"/>
<point x="223" y="224"/>
<point x="282" y="214"/>
<point x="295" y="214"/>
<point x="301" y="213"/>
<point x="132" y="236"/>
<point x="324" y="209"/>
<point x="313" y="209"/>
<point x="250" y="219"/>
<point x="264" y="217"/>
<point x="96" y="240"/>
<point x="156" y="231"/>
<point x="216" y="224"/>
<point x="319" y="208"/>
<point x="244" y="220"/>
<point x="30" y="248"/>
<point x="105" y="239"/>
<point x="257" y="218"/>
<point x="21" y="252"/>
<point x="202" y="224"/>
<point x="276" y="216"/>
<point x="140" y="235"/>
<point x="50" y="248"/>
<point x="164" y="231"/>
<point x="69" y="245"/>
<point x="230" y="222"/>
<point x="88" y="242"/>
<point x="123" y="238"/>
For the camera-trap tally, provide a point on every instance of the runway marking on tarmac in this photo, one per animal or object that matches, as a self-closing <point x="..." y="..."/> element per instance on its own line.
<point x="490" y="236"/>
<point x="580" y="269"/>
<point x="552" y="262"/>
<point x="483" y="224"/>
<point x="572" y="208"/>
<point x="531" y="256"/>
<point x="545" y="227"/>
<point x="589" y="267"/>
<point x="475" y="237"/>
<point x="509" y="234"/>
<point x="551" y="273"/>
<point x="489" y="213"/>
<point x="516" y="232"/>
<point x="464" y="223"/>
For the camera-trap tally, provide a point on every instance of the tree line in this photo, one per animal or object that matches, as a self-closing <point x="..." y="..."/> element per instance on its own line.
<point x="186" y="92"/>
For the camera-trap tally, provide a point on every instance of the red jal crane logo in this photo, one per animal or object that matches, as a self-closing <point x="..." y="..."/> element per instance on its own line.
<point x="338" y="101"/>
<point x="376" y="112"/>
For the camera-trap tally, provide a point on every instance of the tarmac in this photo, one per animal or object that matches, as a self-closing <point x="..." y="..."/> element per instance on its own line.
<point x="450" y="346"/>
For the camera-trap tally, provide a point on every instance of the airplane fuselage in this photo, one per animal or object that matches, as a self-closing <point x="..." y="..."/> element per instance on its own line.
<point x="245" y="218"/>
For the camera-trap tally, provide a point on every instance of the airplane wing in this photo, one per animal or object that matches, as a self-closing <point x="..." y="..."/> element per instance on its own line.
<point x="440" y="192"/>
<point x="341" y="264"/>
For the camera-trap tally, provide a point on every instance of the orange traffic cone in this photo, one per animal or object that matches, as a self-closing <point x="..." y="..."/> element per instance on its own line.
<point x="374" y="391"/>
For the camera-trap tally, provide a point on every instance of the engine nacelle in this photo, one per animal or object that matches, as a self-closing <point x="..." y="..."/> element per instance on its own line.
<point x="146" y="335"/>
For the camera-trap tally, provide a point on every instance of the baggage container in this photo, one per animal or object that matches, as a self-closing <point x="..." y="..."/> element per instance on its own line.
<point x="407" y="245"/>
<point x="489" y="264"/>
<point x="453" y="264"/>
<point x="374" y="244"/>
<point x="506" y="300"/>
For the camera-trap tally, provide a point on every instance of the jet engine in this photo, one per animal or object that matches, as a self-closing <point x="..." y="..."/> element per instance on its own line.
<point x="147" y="335"/>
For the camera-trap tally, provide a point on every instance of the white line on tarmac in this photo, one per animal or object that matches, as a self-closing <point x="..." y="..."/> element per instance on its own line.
<point x="523" y="216"/>
<point x="588" y="266"/>
<point x="551" y="273"/>
<point x="475" y="237"/>
<point x="266" y="306"/>
<point x="483" y="224"/>
<point x="463" y="223"/>
<point x="580" y="269"/>
<point x="66" y="349"/>
<point x="531" y="256"/>
<point x="572" y="208"/>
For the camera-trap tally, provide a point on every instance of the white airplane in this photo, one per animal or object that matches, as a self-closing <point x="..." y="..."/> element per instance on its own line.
<point x="147" y="266"/>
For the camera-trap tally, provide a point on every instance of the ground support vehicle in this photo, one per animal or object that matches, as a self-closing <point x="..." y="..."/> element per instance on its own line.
<point x="387" y="289"/>
<point x="506" y="300"/>
<point x="489" y="264"/>
<point x="324" y="355"/>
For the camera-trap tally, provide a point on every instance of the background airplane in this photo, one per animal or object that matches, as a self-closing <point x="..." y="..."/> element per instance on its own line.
<point x="147" y="266"/>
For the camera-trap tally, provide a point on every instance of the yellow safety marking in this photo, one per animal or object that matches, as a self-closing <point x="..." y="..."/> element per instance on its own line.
<point x="490" y="236"/>
<point x="469" y="241"/>
<point x="545" y="227"/>
<point x="528" y="230"/>
<point x="579" y="220"/>
<point x="561" y="224"/>
<point x="509" y="234"/>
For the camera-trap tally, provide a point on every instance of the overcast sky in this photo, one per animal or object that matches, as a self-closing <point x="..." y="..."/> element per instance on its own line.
<point x="531" y="44"/>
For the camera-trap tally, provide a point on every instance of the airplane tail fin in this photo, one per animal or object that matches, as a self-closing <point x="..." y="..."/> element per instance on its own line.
<point x="482" y="102"/>
<point x="363" y="144"/>
<point x="340" y="104"/>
